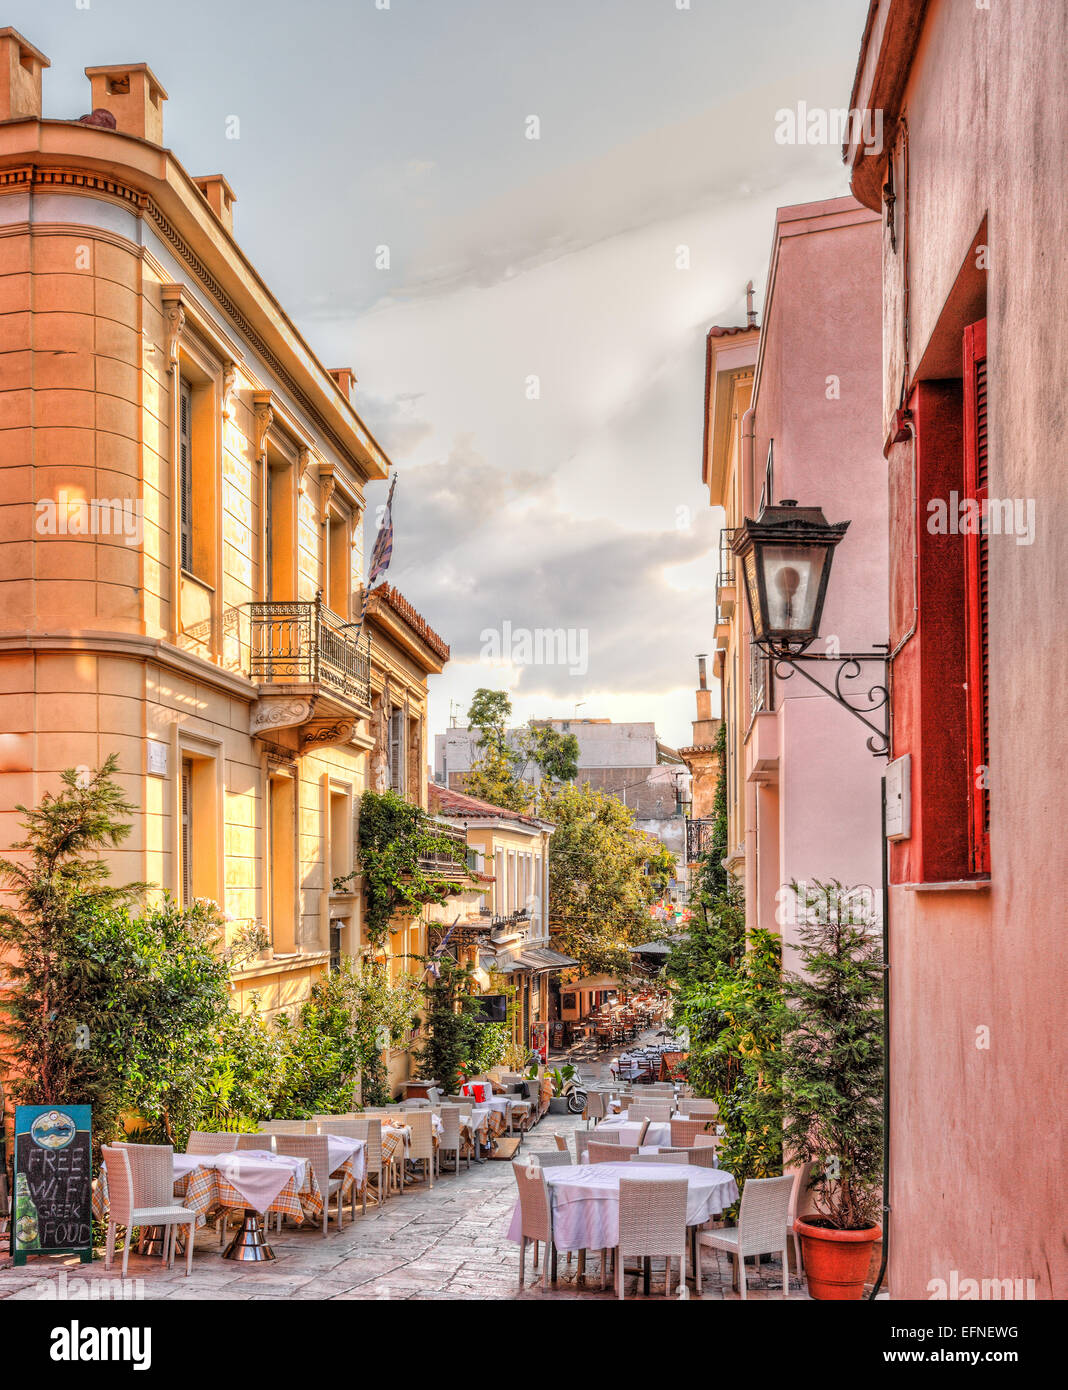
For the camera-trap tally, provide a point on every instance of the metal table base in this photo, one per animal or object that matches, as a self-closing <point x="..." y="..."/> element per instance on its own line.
<point x="250" y="1243"/>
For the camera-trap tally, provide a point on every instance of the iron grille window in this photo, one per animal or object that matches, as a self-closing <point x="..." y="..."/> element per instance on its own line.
<point x="186" y="846"/>
<point x="396" y="751"/>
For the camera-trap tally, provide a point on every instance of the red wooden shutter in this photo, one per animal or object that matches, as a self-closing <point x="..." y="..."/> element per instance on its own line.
<point x="977" y="596"/>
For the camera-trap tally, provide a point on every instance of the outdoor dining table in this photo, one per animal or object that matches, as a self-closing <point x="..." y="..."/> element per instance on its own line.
<point x="585" y="1199"/>
<point x="659" y="1131"/>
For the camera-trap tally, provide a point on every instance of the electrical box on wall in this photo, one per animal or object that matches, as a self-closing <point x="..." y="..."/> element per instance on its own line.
<point x="899" y="798"/>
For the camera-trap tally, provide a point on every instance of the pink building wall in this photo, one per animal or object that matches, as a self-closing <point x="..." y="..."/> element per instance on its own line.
<point x="979" y="978"/>
<point x="816" y="805"/>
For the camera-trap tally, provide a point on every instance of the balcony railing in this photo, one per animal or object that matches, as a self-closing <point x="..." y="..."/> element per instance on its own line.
<point x="292" y="642"/>
<point x="726" y="592"/>
<point x="441" y="861"/>
<point x="698" y="837"/>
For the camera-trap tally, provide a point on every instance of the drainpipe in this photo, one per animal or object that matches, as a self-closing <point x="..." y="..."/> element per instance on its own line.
<point x="886" y="1051"/>
<point x="748" y="448"/>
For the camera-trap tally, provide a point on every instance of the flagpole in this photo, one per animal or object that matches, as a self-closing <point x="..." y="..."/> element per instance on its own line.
<point x="380" y="556"/>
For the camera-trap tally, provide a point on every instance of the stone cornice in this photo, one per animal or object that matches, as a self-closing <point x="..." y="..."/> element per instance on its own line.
<point x="96" y="183"/>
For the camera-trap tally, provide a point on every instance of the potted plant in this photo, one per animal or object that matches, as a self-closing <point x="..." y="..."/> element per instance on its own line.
<point x="558" y="1103"/>
<point x="832" y="1085"/>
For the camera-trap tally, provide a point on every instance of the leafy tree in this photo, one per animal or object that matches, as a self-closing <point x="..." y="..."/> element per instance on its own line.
<point x="833" y="1075"/>
<point x="499" y="774"/>
<point x="456" y="1043"/>
<point x="52" y="1002"/>
<point x="599" y="888"/>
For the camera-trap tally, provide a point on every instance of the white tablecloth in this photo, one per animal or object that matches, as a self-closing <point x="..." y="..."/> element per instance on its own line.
<point x="659" y="1131"/>
<point x="343" y="1147"/>
<point x="257" y="1175"/>
<point x="585" y="1200"/>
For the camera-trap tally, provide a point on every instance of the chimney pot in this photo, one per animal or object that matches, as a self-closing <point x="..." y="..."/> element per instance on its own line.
<point x="345" y="378"/>
<point x="134" y="96"/>
<point x="220" y="196"/>
<point x="21" y="66"/>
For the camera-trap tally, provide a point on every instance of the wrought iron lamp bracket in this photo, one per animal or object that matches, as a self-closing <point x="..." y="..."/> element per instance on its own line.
<point x="871" y="707"/>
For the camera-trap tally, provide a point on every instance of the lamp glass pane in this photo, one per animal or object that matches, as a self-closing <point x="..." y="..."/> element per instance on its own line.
<point x="792" y="576"/>
<point x="753" y="591"/>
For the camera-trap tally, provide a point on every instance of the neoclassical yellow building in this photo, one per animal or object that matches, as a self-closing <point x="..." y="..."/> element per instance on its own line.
<point x="181" y="536"/>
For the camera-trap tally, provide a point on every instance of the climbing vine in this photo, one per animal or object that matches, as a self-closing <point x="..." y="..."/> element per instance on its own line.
<point x="395" y="838"/>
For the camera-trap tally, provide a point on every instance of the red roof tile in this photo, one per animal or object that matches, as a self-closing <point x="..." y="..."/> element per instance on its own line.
<point x="386" y="594"/>
<point x="446" y="802"/>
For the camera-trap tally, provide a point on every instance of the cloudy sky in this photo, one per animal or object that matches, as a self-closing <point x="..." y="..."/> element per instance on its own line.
<point x="532" y="356"/>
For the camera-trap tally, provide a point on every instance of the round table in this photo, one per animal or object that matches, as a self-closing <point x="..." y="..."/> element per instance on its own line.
<point x="585" y="1199"/>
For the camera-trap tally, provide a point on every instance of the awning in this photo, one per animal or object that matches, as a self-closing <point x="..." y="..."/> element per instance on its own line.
<point x="536" y="960"/>
<point x="595" y="982"/>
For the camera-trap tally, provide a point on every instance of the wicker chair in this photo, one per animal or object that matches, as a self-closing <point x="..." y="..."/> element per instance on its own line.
<point x="369" y="1129"/>
<point x="609" y="1153"/>
<point x="536" y="1221"/>
<point x="421" y="1150"/>
<point x="349" y="1127"/>
<point x="201" y="1143"/>
<point x="596" y="1106"/>
<point x="141" y="1193"/>
<point x="652" y="1221"/>
<point x="451" y="1141"/>
<point x="694" y="1108"/>
<point x="603" y="1136"/>
<point x="315" y="1149"/>
<point x="649" y="1110"/>
<point x="582" y="1140"/>
<point x="761" y="1229"/>
<point x="684" y="1132"/>
<point x="704" y="1155"/>
<point x="263" y="1142"/>
<point x="802" y="1180"/>
<point x="287" y="1127"/>
<point x="663" y="1156"/>
<point x="554" y="1158"/>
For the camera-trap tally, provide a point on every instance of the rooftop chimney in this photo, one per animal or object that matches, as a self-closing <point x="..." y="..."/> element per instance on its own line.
<point x="133" y="95"/>
<point x="345" y="378"/>
<point x="750" y="312"/>
<point x="221" y="197"/>
<point x="21" y="66"/>
<point x="704" y="695"/>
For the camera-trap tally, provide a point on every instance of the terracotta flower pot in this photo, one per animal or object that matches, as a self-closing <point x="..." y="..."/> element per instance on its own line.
<point x="836" y="1262"/>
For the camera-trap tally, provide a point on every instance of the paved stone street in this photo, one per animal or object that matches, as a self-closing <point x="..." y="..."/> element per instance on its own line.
<point x="449" y="1243"/>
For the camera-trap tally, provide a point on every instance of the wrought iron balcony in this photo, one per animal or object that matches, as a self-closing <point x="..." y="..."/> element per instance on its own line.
<point x="698" y="837"/>
<point x="726" y="581"/>
<point x="304" y="642"/>
<point x="443" y="862"/>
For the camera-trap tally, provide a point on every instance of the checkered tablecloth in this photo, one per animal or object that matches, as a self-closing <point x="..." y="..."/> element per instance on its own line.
<point x="206" y="1190"/>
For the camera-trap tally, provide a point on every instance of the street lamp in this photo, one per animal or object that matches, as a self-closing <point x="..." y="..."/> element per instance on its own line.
<point x="786" y="556"/>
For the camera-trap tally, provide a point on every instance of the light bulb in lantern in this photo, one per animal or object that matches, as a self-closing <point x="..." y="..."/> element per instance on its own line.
<point x="788" y="581"/>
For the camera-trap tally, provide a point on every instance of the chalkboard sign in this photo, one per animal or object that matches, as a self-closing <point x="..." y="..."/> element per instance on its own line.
<point x="52" y="1201"/>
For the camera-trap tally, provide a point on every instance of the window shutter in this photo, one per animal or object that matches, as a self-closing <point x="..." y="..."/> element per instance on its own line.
<point x="268" y="533"/>
<point x="187" y="834"/>
<point x="185" y="471"/>
<point x="977" y="596"/>
<point x="396" y="751"/>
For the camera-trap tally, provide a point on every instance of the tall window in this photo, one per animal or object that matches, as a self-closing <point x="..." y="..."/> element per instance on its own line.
<point x="186" y="842"/>
<point x="185" y="472"/>
<point x="396" y="751"/>
<point x="977" y="597"/>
